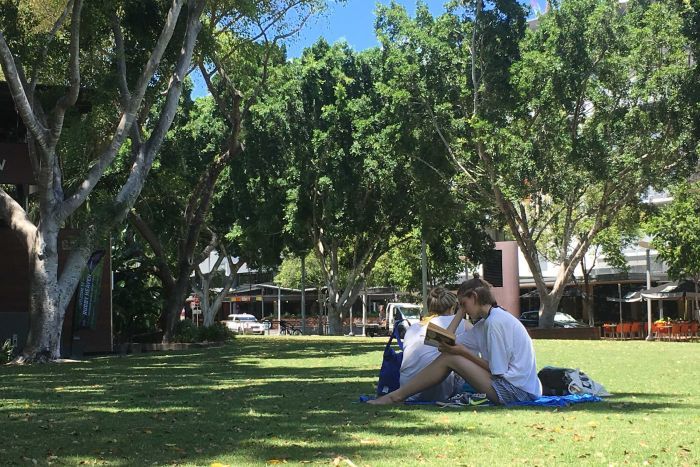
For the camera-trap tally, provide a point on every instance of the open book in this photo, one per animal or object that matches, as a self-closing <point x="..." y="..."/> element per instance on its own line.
<point x="435" y="335"/>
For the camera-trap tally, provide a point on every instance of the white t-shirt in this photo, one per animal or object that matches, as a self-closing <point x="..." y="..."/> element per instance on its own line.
<point x="417" y="355"/>
<point x="503" y="341"/>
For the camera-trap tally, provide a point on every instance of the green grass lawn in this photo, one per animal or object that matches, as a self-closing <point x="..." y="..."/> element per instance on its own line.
<point x="293" y="400"/>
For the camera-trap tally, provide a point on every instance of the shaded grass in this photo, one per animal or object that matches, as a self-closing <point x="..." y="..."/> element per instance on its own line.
<point x="267" y="400"/>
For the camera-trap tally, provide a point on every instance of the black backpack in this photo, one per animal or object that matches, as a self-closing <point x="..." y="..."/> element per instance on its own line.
<point x="555" y="381"/>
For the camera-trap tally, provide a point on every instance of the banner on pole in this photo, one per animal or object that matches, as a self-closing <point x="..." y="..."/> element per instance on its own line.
<point x="88" y="295"/>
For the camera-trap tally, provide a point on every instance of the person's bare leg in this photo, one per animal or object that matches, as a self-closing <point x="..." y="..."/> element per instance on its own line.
<point x="476" y="376"/>
<point x="436" y="372"/>
<point x="429" y="376"/>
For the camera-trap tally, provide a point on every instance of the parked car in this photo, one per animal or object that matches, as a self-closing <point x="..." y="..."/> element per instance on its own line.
<point x="531" y="319"/>
<point x="404" y="313"/>
<point x="244" y="324"/>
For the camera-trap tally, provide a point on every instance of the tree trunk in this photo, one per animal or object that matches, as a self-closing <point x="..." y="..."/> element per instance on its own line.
<point x="549" y="304"/>
<point x="588" y="312"/>
<point x="45" y="314"/>
<point x="49" y="294"/>
<point x="335" y="313"/>
<point x="174" y="301"/>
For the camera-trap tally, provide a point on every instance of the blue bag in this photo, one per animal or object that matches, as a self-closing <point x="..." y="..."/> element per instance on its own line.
<point x="390" y="372"/>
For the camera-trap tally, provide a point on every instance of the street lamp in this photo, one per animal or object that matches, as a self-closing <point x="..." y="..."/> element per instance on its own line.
<point x="647" y="246"/>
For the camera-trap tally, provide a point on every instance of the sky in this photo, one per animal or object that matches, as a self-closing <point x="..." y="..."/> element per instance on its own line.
<point x="352" y="22"/>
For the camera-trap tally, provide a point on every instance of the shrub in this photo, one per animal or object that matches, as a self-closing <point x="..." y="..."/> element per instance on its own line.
<point x="7" y="352"/>
<point x="185" y="331"/>
<point x="215" y="333"/>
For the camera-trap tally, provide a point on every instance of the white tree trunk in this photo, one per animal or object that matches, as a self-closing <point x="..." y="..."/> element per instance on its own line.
<point x="45" y="313"/>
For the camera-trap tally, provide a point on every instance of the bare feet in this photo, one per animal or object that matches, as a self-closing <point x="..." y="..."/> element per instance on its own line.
<point x="386" y="399"/>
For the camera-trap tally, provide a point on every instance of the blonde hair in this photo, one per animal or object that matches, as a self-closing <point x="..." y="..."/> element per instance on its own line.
<point x="478" y="287"/>
<point x="441" y="300"/>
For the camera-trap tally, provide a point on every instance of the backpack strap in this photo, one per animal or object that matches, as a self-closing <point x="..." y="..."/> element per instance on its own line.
<point x="395" y="333"/>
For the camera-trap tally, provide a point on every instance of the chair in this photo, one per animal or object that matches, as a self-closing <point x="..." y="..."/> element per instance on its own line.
<point x="684" y="332"/>
<point x="663" y="331"/>
<point x="675" y="332"/>
<point x="618" y="331"/>
<point x="608" y="331"/>
<point x="636" y="330"/>
<point x="626" y="330"/>
<point x="693" y="330"/>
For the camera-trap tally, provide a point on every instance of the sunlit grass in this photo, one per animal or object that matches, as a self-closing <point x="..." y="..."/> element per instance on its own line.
<point x="268" y="400"/>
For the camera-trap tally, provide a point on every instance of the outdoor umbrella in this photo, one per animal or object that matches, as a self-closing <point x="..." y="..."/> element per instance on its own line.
<point x="678" y="290"/>
<point x="683" y="289"/>
<point x="630" y="297"/>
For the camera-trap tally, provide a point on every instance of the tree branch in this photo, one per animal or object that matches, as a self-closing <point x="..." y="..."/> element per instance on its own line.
<point x="19" y="96"/>
<point x="17" y="219"/>
<point x="71" y="97"/>
<point x="121" y="61"/>
<point x="164" y="271"/>
<point x="127" y="117"/>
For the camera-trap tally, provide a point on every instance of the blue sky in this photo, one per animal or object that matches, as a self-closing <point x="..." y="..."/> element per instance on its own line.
<point x="352" y="22"/>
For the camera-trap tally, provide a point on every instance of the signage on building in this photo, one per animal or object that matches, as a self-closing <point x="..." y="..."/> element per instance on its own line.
<point x="15" y="168"/>
<point x="244" y="298"/>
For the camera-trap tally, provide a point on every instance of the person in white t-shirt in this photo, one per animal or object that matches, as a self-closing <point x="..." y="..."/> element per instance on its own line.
<point x="497" y="358"/>
<point x="417" y="355"/>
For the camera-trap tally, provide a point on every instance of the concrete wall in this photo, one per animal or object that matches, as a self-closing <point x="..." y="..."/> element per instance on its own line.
<point x="508" y="296"/>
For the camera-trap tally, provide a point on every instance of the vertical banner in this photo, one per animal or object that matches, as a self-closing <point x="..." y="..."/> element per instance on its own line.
<point x="88" y="295"/>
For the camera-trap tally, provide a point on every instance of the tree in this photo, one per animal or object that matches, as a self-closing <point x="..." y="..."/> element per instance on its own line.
<point x="289" y="274"/>
<point x="239" y="45"/>
<point x="675" y="232"/>
<point x="425" y="79"/>
<point x="352" y="187"/>
<point x="205" y="281"/>
<point x="569" y="123"/>
<point x="56" y="202"/>
<point x="609" y="244"/>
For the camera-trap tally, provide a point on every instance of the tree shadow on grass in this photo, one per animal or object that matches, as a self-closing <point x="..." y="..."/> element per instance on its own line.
<point x="248" y="402"/>
<point x="197" y="407"/>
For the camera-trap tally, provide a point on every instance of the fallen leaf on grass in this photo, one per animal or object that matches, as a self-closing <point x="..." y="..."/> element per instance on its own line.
<point x="339" y="460"/>
<point x="276" y="461"/>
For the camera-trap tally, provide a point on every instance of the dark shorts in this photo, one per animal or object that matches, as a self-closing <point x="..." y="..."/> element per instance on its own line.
<point x="507" y="393"/>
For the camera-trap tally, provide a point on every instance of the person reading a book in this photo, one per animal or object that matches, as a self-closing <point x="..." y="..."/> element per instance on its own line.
<point x="417" y="355"/>
<point x="497" y="357"/>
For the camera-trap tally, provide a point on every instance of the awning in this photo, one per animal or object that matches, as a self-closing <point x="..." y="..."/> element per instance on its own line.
<point x="676" y="290"/>
<point x="629" y="297"/>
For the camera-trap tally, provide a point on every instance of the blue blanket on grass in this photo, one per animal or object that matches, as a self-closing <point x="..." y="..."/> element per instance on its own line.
<point x="544" y="401"/>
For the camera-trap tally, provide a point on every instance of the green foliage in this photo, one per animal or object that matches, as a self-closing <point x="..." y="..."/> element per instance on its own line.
<point x="7" y="351"/>
<point x="217" y="332"/>
<point x="289" y="273"/>
<point x="187" y="332"/>
<point x="675" y="230"/>
<point x="137" y="296"/>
